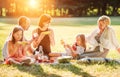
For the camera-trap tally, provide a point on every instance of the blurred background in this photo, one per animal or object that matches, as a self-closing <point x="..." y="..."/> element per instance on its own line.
<point x="59" y="8"/>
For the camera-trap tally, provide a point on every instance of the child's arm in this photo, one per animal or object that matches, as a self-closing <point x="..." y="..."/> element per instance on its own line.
<point x="12" y="48"/>
<point x="67" y="46"/>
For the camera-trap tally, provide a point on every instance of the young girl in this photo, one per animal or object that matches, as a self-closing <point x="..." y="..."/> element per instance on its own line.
<point x="77" y="48"/>
<point x="23" y="23"/>
<point x="16" y="53"/>
<point x="45" y="34"/>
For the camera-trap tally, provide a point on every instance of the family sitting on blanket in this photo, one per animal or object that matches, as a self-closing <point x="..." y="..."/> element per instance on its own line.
<point x="102" y="40"/>
<point x="41" y="36"/>
<point x="11" y="45"/>
<point x="18" y="50"/>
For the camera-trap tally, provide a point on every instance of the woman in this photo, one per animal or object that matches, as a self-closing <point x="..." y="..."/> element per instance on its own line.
<point x="102" y="39"/>
<point x="45" y="35"/>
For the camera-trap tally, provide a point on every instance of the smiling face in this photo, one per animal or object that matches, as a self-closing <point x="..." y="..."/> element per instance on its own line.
<point x="103" y="22"/>
<point x="101" y="25"/>
<point x="18" y="35"/>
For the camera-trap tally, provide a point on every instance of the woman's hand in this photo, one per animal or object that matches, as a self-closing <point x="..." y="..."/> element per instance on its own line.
<point x="35" y="35"/>
<point x="38" y="39"/>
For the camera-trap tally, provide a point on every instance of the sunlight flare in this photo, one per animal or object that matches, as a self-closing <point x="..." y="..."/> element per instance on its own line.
<point x="33" y="3"/>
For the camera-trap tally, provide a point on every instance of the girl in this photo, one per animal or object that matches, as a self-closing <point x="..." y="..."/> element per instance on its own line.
<point x="45" y="35"/>
<point x="23" y="23"/>
<point x="78" y="48"/>
<point x="16" y="53"/>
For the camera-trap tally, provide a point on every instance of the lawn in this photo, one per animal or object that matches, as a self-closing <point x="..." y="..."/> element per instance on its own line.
<point x="64" y="28"/>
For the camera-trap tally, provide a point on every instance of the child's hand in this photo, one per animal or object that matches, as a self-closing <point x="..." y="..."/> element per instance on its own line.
<point x="62" y="42"/>
<point x="74" y="54"/>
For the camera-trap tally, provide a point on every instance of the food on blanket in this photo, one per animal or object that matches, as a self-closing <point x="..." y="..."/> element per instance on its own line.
<point x="64" y="59"/>
<point x="47" y="32"/>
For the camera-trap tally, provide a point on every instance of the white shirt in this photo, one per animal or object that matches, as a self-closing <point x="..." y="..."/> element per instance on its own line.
<point x="80" y="49"/>
<point x="108" y="39"/>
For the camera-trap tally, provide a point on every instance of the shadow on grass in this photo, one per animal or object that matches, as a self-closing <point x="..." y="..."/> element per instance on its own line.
<point x="35" y="70"/>
<point x="72" y="68"/>
<point x="112" y="64"/>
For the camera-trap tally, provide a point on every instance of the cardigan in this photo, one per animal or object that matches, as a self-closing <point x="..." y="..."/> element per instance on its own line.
<point x="108" y="39"/>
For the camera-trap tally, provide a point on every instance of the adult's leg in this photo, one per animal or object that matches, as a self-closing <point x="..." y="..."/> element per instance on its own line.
<point x="28" y="59"/>
<point x="103" y="54"/>
<point x="95" y="54"/>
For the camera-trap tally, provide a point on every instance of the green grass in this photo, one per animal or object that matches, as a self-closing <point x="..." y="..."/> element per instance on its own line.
<point x="64" y="28"/>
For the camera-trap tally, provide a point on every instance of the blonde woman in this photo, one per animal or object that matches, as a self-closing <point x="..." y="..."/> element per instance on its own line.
<point x="102" y="39"/>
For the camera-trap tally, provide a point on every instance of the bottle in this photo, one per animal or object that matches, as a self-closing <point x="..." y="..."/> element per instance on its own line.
<point x="40" y="56"/>
<point x="41" y="50"/>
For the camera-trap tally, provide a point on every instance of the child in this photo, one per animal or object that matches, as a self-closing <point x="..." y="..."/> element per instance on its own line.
<point x="77" y="48"/>
<point x="16" y="53"/>
<point x="23" y="23"/>
<point x="44" y="35"/>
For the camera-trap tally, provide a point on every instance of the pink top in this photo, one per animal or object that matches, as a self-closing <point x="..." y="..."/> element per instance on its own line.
<point x="18" y="55"/>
